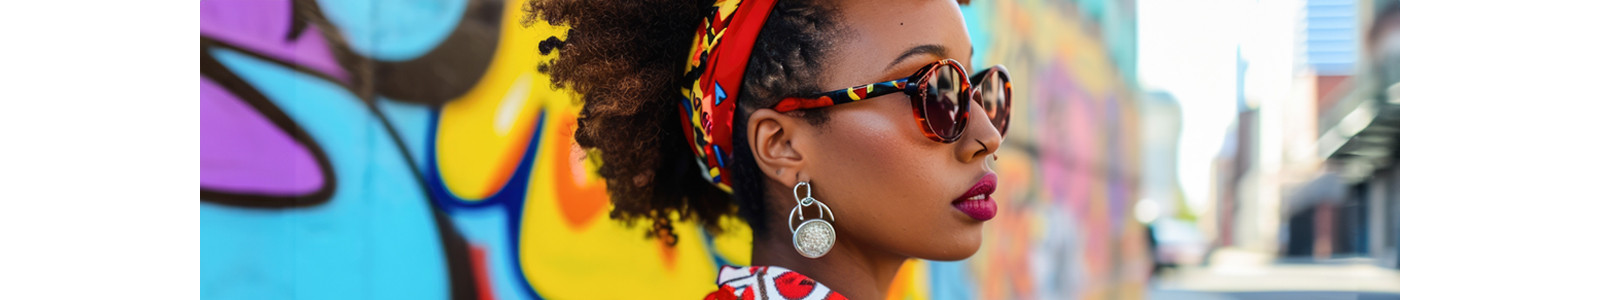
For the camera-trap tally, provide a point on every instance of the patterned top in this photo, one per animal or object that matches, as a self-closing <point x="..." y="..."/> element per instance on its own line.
<point x="768" y="282"/>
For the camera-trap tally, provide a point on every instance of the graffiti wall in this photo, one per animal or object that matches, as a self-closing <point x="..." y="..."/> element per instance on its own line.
<point x="412" y="149"/>
<point x="1066" y="231"/>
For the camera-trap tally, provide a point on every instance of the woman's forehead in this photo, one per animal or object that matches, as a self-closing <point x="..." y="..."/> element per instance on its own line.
<point x="886" y="40"/>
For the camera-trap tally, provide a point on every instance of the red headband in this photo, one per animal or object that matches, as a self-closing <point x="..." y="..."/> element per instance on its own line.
<point x="716" y="65"/>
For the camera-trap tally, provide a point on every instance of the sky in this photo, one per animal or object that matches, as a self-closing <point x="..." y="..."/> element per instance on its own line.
<point x="1188" y="49"/>
<point x="1192" y="50"/>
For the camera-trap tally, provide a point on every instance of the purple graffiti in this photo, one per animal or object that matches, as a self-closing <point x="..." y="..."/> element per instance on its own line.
<point x="243" y="152"/>
<point x="263" y="27"/>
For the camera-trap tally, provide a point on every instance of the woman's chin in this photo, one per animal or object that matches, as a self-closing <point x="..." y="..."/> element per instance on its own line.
<point x="959" y="247"/>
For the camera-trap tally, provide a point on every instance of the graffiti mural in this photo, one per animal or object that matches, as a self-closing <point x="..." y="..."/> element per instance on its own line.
<point x="413" y="149"/>
<point x="1071" y="169"/>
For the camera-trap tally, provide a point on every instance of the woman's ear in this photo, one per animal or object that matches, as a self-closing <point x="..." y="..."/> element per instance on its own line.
<point x="773" y="137"/>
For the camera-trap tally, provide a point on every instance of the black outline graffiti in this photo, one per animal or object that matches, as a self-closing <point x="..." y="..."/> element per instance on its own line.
<point x="214" y="70"/>
<point x="443" y="73"/>
<point x="463" y="284"/>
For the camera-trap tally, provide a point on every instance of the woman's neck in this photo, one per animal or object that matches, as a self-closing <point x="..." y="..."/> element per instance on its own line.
<point x="854" y="271"/>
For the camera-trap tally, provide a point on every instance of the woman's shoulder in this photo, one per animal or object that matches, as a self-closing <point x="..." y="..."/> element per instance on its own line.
<point x="768" y="282"/>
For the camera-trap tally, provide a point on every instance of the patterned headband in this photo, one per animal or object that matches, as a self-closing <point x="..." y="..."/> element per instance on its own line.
<point x="716" y="67"/>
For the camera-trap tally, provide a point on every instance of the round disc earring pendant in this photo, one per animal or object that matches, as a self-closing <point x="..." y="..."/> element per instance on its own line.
<point x="814" y="238"/>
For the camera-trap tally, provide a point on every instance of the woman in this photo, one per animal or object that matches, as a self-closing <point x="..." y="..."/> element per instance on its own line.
<point x="839" y="130"/>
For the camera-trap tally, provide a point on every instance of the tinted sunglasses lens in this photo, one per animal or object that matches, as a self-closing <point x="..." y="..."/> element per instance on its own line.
<point x="994" y="93"/>
<point x="942" y="105"/>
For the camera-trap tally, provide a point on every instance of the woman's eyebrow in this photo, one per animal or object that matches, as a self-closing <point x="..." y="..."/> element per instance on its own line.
<point x="935" y="50"/>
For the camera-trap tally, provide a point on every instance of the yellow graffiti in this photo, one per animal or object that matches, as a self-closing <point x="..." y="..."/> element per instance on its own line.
<point x="1037" y="26"/>
<point x="565" y="255"/>
<point x="483" y="134"/>
<point x="910" y="283"/>
<point x="569" y="248"/>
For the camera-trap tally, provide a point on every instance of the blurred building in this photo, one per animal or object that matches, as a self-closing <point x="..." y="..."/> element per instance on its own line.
<point x="1174" y="235"/>
<point x="1352" y="207"/>
<point x="1311" y="172"/>
<point x="1289" y="146"/>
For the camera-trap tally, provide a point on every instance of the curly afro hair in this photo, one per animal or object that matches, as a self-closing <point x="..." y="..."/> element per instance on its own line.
<point x="626" y="58"/>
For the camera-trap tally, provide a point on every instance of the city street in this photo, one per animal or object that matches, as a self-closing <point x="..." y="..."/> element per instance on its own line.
<point x="1241" y="274"/>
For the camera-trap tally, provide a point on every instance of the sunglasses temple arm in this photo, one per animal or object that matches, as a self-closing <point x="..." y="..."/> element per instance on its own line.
<point x="837" y="97"/>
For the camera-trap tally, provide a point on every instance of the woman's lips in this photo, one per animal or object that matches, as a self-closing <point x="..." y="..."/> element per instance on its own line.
<point x="976" y="202"/>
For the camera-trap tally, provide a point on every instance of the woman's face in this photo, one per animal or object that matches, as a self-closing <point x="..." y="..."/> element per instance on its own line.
<point x="891" y="187"/>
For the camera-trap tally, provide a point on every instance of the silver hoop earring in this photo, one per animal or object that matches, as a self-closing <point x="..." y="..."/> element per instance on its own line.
<point x="815" y="237"/>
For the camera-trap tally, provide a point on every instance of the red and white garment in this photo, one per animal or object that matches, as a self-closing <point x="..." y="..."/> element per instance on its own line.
<point x="768" y="282"/>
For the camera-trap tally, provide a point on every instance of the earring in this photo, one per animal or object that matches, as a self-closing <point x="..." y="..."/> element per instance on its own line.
<point x="813" y="238"/>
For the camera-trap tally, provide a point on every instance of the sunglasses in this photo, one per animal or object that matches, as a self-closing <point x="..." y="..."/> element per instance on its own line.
<point x="941" y="95"/>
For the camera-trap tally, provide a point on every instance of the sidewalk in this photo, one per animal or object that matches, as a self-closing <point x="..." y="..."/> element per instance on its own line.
<point x="1239" y="274"/>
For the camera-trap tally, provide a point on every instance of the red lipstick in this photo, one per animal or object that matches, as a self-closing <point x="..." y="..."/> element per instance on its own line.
<point x="976" y="203"/>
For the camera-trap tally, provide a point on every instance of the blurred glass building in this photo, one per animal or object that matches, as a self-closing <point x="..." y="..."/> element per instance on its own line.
<point x="1304" y="190"/>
